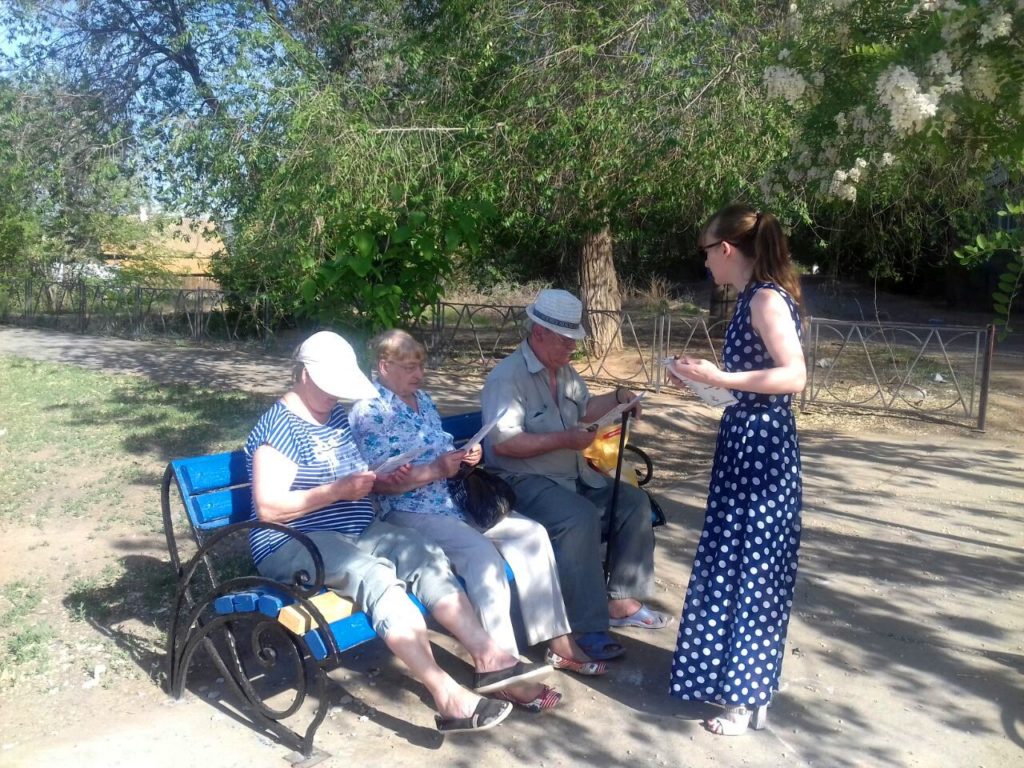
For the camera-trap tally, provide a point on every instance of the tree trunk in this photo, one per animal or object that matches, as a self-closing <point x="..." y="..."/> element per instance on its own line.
<point x="599" y="291"/>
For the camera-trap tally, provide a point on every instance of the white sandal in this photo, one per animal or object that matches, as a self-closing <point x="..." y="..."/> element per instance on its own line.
<point x="734" y="721"/>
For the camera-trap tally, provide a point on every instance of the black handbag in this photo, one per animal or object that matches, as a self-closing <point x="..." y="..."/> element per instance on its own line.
<point x="485" y="498"/>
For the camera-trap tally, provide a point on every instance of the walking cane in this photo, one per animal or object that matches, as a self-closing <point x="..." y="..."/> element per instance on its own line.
<point x="615" y="492"/>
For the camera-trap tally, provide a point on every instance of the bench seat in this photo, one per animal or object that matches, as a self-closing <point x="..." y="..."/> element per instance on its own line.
<point x="235" y="616"/>
<point x="221" y="614"/>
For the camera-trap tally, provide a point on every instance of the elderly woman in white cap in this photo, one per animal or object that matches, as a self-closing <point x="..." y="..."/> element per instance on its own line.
<point x="404" y="417"/>
<point x="307" y="473"/>
<point x="541" y="402"/>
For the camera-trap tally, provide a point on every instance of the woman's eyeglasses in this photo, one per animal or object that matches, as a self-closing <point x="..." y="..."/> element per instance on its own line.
<point x="702" y="250"/>
<point x="407" y="368"/>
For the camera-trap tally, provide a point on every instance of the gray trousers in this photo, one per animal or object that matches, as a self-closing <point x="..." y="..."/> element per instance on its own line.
<point x="577" y="523"/>
<point x="373" y="569"/>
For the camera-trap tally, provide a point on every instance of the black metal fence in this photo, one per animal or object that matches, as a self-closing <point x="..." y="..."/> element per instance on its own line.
<point x="933" y="370"/>
<point x="938" y="371"/>
<point x="105" y="307"/>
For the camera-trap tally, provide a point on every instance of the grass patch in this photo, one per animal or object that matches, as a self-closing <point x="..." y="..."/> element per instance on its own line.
<point x="24" y="642"/>
<point x="30" y="645"/>
<point x="16" y="602"/>
<point x="76" y="441"/>
<point x="83" y="453"/>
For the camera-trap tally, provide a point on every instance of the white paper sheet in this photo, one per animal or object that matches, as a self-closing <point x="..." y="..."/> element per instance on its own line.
<point x="390" y="465"/>
<point x="716" y="396"/>
<point x="474" y="441"/>
<point x="613" y="415"/>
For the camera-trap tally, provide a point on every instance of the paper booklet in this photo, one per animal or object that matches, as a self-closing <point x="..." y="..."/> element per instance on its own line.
<point x="390" y="465"/>
<point x="474" y="441"/>
<point x="716" y="396"/>
<point x="613" y="415"/>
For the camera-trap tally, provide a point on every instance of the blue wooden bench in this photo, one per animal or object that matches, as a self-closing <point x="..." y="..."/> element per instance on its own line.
<point x="223" y="608"/>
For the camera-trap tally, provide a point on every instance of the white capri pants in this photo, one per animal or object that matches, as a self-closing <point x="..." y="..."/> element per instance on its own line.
<point x="479" y="558"/>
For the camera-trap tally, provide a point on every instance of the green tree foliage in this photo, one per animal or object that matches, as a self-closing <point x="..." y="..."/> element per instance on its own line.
<point x="336" y="218"/>
<point x="70" y="188"/>
<point x="1011" y="242"/>
<point x="582" y="122"/>
<point x="904" y="115"/>
<point x="17" y="225"/>
<point x="357" y="147"/>
<point x="594" y="120"/>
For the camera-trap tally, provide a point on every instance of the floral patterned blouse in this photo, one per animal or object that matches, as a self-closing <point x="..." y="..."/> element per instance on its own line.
<point x="386" y="426"/>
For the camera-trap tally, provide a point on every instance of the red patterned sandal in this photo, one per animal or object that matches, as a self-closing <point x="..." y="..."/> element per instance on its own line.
<point x="572" y="665"/>
<point x="548" y="699"/>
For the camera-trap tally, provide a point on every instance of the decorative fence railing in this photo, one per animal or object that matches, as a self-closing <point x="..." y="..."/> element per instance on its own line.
<point x="937" y="371"/>
<point x="105" y="307"/>
<point x="940" y="371"/>
<point x="932" y="370"/>
<point x="479" y="335"/>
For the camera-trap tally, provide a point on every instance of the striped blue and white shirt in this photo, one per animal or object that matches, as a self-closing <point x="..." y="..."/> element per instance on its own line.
<point x="323" y="453"/>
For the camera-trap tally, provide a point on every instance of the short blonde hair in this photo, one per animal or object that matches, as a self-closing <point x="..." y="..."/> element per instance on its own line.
<point x="397" y="344"/>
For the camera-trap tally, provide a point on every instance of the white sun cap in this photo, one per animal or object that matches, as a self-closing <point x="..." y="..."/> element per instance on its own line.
<point x="332" y="365"/>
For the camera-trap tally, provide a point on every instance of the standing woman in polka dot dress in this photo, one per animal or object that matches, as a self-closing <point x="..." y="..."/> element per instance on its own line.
<point x="732" y="632"/>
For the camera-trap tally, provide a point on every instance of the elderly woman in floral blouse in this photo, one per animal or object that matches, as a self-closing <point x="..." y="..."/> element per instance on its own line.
<point x="404" y="417"/>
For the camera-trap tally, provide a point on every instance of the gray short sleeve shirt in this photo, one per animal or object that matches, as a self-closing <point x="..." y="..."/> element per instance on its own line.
<point x="518" y="389"/>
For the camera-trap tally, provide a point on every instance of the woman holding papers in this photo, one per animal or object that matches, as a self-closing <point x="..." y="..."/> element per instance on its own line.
<point x="404" y="417"/>
<point x="732" y="632"/>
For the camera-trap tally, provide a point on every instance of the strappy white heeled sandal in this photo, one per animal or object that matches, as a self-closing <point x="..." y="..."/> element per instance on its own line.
<point x="734" y="721"/>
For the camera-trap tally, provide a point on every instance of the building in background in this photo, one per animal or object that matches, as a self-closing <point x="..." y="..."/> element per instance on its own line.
<point x="178" y="248"/>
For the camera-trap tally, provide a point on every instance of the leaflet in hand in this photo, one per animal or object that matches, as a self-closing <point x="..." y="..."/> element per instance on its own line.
<point x="613" y="415"/>
<point x="716" y="396"/>
<point x="390" y="465"/>
<point x="474" y="441"/>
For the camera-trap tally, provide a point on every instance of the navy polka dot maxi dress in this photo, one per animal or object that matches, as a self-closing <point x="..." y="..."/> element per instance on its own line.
<point x="733" y="627"/>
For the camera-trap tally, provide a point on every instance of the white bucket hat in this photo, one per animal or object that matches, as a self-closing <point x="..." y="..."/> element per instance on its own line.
<point x="558" y="311"/>
<point x="331" y="364"/>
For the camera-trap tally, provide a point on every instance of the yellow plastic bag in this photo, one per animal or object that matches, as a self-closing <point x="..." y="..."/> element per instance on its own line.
<point x="603" y="453"/>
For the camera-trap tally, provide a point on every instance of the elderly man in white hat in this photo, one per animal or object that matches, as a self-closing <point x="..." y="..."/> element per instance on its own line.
<point x="536" y="446"/>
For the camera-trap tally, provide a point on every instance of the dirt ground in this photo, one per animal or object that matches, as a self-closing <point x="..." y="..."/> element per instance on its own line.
<point x="906" y="646"/>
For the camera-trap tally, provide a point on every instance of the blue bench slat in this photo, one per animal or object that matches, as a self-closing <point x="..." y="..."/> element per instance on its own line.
<point x="271" y="605"/>
<point x="462" y="426"/>
<point x="348" y="633"/>
<point x="245" y="602"/>
<point x="224" y="604"/>
<point x="218" y="508"/>
<point x="202" y="474"/>
<point x="237" y="602"/>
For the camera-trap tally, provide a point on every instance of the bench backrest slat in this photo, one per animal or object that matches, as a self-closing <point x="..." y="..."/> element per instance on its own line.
<point x="462" y="426"/>
<point x="213" y="510"/>
<point x="215" y="489"/>
<point x="202" y="474"/>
